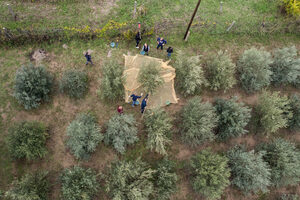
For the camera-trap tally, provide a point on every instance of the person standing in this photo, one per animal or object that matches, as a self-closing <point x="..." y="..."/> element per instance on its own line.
<point x="88" y="58"/>
<point x="138" y="38"/>
<point x="135" y="99"/>
<point x="146" y="49"/>
<point x="169" y="51"/>
<point x="160" y="43"/>
<point x="144" y="104"/>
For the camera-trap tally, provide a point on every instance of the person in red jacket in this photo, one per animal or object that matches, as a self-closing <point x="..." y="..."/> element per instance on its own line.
<point x="120" y="110"/>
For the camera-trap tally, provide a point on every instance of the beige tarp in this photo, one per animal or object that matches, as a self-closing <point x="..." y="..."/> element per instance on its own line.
<point x="163" y="95"/>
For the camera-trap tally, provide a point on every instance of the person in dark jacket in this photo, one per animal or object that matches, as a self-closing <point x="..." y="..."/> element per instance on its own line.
<point x="146" y="49"/>
<point x="160" y="43"/>
<point x="135" y="99"/>
<point x="169" y="51"/>
<point x="88" y="58"/>
<point x="144" y="104"/>
<point x="138" y="38"/>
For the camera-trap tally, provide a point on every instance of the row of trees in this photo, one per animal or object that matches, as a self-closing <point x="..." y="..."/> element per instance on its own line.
<point x="256" y="69"/>
<point x="124" y="180"/>
<point x="33" y="85"/>
<point x="271" y="164"/>
<point x="200" y="122"/>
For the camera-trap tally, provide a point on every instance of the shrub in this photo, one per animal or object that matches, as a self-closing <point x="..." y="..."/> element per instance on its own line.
<point x="189" y="74"/>
<point x="198" y="121"/>
<point x="286" y="67"/>
<point x="158" y="126"/>
<point x="121" y="131"/>
<point x="84" y="136"/>
<point x="294" y="122"/>
<point x="112" y="81"/>
<point x="32" y="86"/>
<point x="284" y="160"/>
<point x="289" y="197"/>
<point x="233" y="118"/>
<point x="221" y="71"/>
<point x="254" y="69"/>
<point x="74" y="83"/>
<point x="130" y="180"/>
<point x="210" y="174"/>
<point x="165" y="179"/>
<point x="27" y="140"/>
<point x="78" y="183"/>
<point x="249" y="172"/>
<point x="274" y="111"/>
<point x="150" y="79"/>
<point x="33" y="186"/>
<point x="292" y="7"/>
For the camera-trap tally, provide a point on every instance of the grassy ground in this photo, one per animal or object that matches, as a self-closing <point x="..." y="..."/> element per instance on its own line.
<point x="169" y="16"/>
<point x="249" y="15"/>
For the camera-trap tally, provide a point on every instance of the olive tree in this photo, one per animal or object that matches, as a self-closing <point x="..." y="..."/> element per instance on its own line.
<point x="221" y="71"/>
<point x="32" y="86"/>
<point x="254" y="69"/>
<point x="198" y="122"/>
<point x="284" y="159"/>
<point x="190" y="77"/>
<point x="210" y="174"/>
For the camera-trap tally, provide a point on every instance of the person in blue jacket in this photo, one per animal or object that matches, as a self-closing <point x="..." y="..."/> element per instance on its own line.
<point x="144" y="104"/>
<point x="160" y="43"/>
<point x="135" y="99"/>
<point x="88" y="58"/>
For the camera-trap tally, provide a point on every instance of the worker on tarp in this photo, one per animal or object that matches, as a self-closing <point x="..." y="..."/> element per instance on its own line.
<point x="135" y="100"/>
<point x="144" y="104"/>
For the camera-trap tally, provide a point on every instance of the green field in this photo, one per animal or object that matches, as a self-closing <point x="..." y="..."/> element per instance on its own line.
<point x="169" y="18"/>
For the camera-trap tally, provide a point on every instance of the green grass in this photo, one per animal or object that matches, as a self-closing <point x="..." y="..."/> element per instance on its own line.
<point x="169" y="14"/>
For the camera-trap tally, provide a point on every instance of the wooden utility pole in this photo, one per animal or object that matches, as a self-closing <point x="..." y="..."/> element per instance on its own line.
<point x="189" y="26"/>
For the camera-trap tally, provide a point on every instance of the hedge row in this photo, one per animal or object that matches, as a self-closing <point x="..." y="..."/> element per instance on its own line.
<point x="255" y="69"/>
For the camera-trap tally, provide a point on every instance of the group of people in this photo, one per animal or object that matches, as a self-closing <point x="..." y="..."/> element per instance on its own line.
<point x="135" y="102"/>
<point x="161" y="42"/>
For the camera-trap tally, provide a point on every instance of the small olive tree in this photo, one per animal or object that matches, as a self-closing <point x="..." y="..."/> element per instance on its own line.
<point x="78" y="183"/>
<point x="112" y="81"/>
<point x="233" y="118"/>
<point x="294" y="122"/>
<point x="198" y="121"/>
<point x="221" y="71"/>
<point x="121" y="131"/>
<point x="254" y="69"/>
<point x="32" y="86"/>
<point x="27" y="140"/>
<point x="74" y="83"/>
<point x="286" y="67"/>
<point x="189" y="74"/>
<point x="284" y="159"/>
<point x="158" y="126"/>
<point x="274" y="111"/>
<point x="210" y="174"/>
<point x="150" y="78"/>
<point x="83" y="136"/>
<point x="249" y="172"/>
<point x="165" y="179"/>
<point x="33" y="186"/>
<point x="130" y="180"/>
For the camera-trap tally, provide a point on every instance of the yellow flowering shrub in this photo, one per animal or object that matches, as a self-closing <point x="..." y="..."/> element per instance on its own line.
<point x="292" y="7"/>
